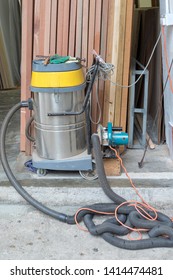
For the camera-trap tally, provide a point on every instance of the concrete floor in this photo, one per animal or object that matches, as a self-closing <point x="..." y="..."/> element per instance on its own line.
<point x="26" y="233"/>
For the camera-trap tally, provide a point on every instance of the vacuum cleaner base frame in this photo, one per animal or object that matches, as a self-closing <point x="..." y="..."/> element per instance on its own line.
<point x="82" y="161"/>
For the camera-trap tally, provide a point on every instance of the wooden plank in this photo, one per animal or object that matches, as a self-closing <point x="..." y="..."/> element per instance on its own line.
<point x="97" y="30"/>
<point x="85" y="29"/>
<point x="42" y="15"/>
<point x="63" y="27"/>
<point x="72" y="32"/>
<point x="112" y="167"/>
<point x="78" y="50"/>
<point x="104" y="27"/>
<point x="110" y="30"/>
<point x="155" y="3"/>
<point x="42" y="27"/>
<point x="103" y="45"/>
<point x="36" y="27"/>
<point x="66" y="19"/>
<point x="47" y="26"/>
<point x="60" y="34"/>
<point x="27" y="27"/>
<point x="91" y="32"/>
<point x="126" y="66"/>
<point x="120" y="61"/>
<point x="114" y="51"/>
<point x="53" y="23"/>
<point x="96" y="110"/>
<point x="135" y="29"/>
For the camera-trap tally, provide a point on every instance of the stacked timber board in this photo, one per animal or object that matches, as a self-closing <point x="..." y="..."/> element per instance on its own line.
<point x="76" y="27"/>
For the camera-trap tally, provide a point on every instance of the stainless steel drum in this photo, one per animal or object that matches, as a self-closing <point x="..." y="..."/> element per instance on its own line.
<point x="58" y="88"/>
<point x="59" y="137"/>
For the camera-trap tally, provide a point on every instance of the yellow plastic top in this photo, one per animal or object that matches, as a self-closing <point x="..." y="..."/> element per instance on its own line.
<point x="57" y="79"/>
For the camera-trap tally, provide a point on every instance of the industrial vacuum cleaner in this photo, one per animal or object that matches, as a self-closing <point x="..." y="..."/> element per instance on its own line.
<point x="63" y="141"/>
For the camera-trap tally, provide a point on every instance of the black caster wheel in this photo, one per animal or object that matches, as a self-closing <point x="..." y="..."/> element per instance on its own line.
<point x="89" y="175"/>
<point x="41" y="172"/>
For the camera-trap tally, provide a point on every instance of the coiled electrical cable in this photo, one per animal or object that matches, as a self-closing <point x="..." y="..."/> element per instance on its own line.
<point x="160" y="231"/>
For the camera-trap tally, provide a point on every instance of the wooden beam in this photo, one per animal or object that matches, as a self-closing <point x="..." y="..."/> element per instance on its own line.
<point x="63" y="27"/>
<point x="47" y="26"/>
<point x="91" y="31"/>
<point x="60" y="34"/>
<point x="36" y="28"/>
<point x="27" y="35"/>
<point x="96" y="110"/>
<point x="110" y="28"/>
<point x="97" y="31"/>
<point x="112" y="56"/>
<point x="119" y="62"/>
<point x="103" y="49"/>
<point x="53" y="28"/>
<point x="112" y="167"/>
<point x="65" y="36"/>
<point x="78" y="50"/>
<point x="127" y="58"/>
<point x="104" y="27"/>
<point x="42" y="16"/>
<point x="155" y="3"/>
<point x="72" y="32"/>
<point x="85" y="33"/>
<point x="42" y="27"/>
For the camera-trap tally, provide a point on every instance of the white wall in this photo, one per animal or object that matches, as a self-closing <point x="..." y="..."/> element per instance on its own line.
<point x="166" y="6"/>
<point x="168" y="95"/>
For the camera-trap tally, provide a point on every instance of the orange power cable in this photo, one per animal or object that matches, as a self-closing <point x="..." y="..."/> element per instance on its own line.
<point x="89" y="209"/>
<point x="139" y="206"/>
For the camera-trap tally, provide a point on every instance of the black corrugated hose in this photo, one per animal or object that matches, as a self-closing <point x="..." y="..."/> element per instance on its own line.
<point x="160" y="232"/>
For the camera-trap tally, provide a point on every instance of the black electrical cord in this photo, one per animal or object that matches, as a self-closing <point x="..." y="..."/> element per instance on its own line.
<point x="27" y="130"/>
<point x="110" y="228"/>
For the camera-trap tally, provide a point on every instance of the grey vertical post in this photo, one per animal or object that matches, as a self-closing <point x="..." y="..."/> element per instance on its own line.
<point x="133" y="110"/>
<point x="145" y="108"/>
<point x="131" y="105"/>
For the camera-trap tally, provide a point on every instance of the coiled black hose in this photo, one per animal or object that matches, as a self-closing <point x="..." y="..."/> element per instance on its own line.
<point x="110" y="228"/>
<point x="109" y="233"/>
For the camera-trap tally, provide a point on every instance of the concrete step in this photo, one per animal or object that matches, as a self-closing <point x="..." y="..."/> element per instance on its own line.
<point x="72" y="192"/>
